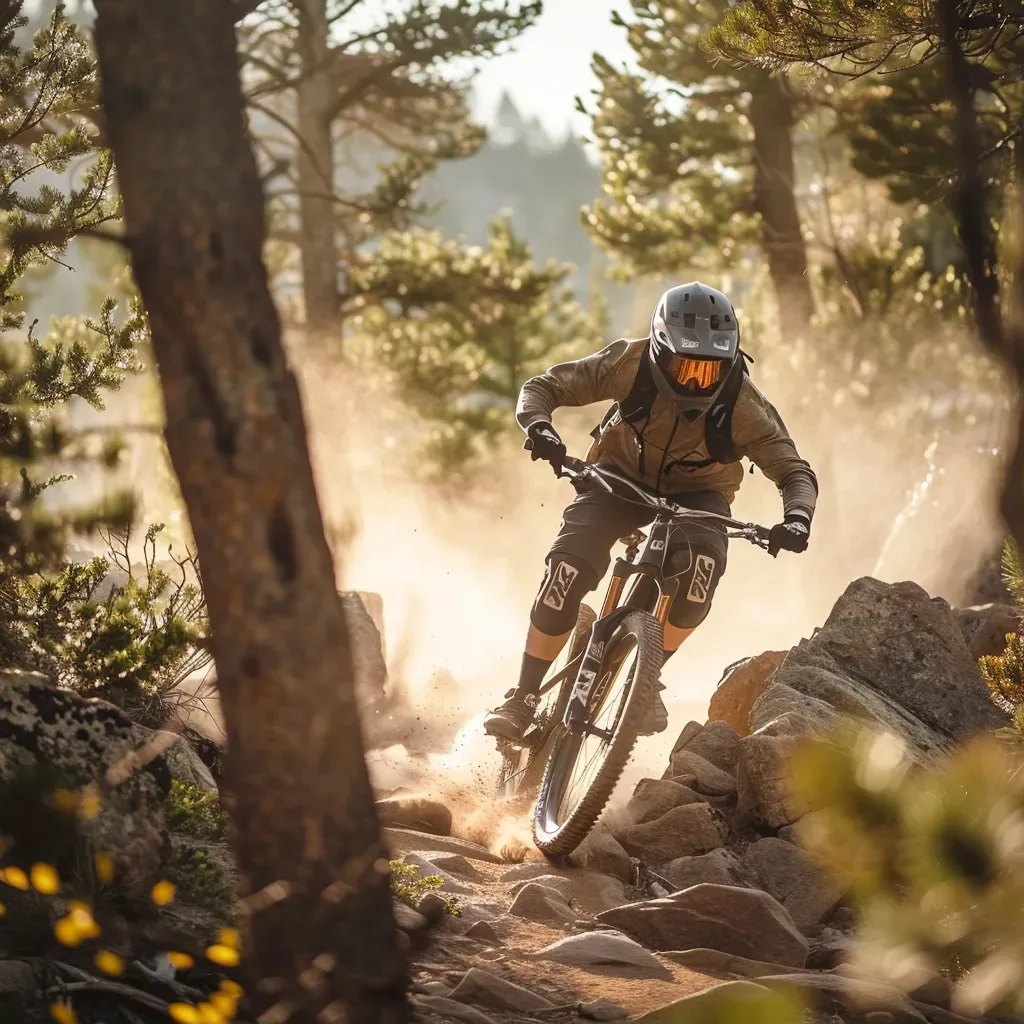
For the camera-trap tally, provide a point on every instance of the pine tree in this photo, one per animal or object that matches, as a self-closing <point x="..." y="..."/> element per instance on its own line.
<point x="324" y="90"/>
<point x="461" y="328"/>
<point x="697" y="158"/>
<point x="48" y="124"/>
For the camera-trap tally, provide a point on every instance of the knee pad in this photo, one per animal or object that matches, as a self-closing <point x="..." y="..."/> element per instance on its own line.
<point x="567" y="579"/>
<point x="697" y="589"/>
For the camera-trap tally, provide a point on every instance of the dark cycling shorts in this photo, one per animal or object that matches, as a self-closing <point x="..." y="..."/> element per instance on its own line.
<point x="697" y="551"/>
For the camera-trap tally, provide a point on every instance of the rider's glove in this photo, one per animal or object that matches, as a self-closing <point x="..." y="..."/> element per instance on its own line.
<point x="546" y="444"/>
<point x="791" y="534"/>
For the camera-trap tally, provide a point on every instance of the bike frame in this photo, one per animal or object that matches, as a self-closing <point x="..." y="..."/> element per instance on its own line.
<point x="648" y="563"/>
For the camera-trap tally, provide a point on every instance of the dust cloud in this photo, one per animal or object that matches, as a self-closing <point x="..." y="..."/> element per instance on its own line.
<point x="457" y="568"/>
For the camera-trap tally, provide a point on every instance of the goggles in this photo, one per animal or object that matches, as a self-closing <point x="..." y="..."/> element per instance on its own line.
<point x="705" y="373"/>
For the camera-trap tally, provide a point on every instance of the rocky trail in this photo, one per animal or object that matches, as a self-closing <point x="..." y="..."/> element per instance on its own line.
<point x="697" y="881"/>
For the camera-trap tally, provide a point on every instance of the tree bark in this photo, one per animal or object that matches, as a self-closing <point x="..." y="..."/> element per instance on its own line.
<point x="772" y="118"/>
<point x="315" y="171"/>
<point x="308" y="840"/>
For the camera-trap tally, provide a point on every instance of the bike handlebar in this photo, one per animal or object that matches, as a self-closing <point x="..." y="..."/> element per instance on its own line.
<point x="588" y="476"/>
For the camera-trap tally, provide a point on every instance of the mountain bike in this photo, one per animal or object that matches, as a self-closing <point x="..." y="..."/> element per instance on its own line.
<point x="594" y="707"/>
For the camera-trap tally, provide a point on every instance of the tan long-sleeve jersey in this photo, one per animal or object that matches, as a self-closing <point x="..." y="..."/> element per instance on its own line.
<point x="654" y="453"/>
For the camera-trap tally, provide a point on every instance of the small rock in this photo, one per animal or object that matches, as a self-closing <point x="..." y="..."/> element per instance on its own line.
<point x="746" y="922"/>
<point x="710" y="780"/>
<point x="449" y="1009"/>
<point x="602" y="1009"/>
<point x="722" y="867"/>
<point x="485" y="989"/>
<point x="725" y="965"/>
<point x="17" y="978"/>
<point x="829" y="949"/>
<point x="682" y="832"/>
<point x="428" y="868"/>
<point x="934" y="990"/>
<point x="879" y="1017"/>
<point x="560" y="883"/>
<point x="784" y="871"/>
<point x="482" y="931"/>
<point x="401" y="841"/>
<point x="601" y="851"/>
<point x="455" y="864"/>
<point x="738" y="692"/>
<point x="654" y="797"/>
<point x="409" y="920"/>
<point x="432" y="907"/>
<point x="765" y="786"/>
<point x="719" y="744"/>
<point x="417" y="813"/>
<point x="431" y="988"/>
<point x="527" y="871"/>
<point x="542" y="905"/>
<point x="595" y="948"/>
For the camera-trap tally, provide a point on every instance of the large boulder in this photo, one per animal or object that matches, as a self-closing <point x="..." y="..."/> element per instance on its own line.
<point x="765" y="785"/>
<point x="986" y="626"/>
<point x="364" y="616"/>
<point x="746" y="922"/>
<point x="893" y="643"/>
<point x="602" y="852"/>
<point x="742" y="685"/>
<point x="682" y="832"/>
<point x="78" y="742"/>
<point x="418" y="813"/>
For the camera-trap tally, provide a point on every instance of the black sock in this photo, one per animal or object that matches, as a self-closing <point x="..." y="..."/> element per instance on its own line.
<point x="532" y="674"/>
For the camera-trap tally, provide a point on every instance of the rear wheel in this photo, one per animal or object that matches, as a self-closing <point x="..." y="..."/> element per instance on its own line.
<point x="582" y="770"/>
<point x="522" y="765"/>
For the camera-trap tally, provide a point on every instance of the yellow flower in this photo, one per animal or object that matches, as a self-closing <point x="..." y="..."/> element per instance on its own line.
<point x="162" y="893"/>
<point x="109" y="963"/>
<point x="45" y="879"/>
<point x="229" y="937"/>
<point x="223" y="955"/>
<point x="180" y="961"/>
<point x="232" y="988"/>
<point x="65" y="800"/>
<point x="15" y="878"/>
<point x="89" y="804"/>
<point x="105" y="868"/>
<point x="225" y="1003"/>
<point x="209" y="1014"/>
<point x="184" y="1013"/>
<point x="62" y="1013"/>
<point x="76" y="927"/>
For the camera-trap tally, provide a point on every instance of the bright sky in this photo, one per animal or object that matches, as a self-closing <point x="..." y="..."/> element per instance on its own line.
<point x="550" y="65"/>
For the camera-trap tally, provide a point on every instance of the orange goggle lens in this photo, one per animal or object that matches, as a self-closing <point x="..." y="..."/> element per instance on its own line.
<point x="704" y="372"/>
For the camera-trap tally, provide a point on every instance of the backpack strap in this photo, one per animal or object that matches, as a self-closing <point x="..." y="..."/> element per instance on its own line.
<point x="718" y="425"/>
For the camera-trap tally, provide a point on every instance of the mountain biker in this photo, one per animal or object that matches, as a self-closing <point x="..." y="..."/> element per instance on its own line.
<point x="686" y="413"/>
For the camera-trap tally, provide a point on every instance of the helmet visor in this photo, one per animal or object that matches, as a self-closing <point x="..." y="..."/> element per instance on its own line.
<point x="691" y="376"/>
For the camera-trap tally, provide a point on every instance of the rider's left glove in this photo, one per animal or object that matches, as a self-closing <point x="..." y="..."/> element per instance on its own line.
<point x="792" y="534"/>
<point x="546" y="445"/>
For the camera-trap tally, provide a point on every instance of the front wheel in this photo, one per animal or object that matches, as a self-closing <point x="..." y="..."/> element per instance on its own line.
<point x="582" y="770"/>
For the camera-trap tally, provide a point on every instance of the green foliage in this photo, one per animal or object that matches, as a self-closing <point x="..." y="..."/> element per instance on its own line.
<point x="1013" y="572"/>
<point x="396" y="101"/>
<point x="461" y="328"/>
<point x="113" y="629"/>
<point x="204" y="876"/>
<point x="192" y="812"/>
<point x="934" y="860"/>
<point x="1004" y="674"/>
<point x="676" y="147"/>
<point x="47" y="128"/>
<point x="410" y="888"/>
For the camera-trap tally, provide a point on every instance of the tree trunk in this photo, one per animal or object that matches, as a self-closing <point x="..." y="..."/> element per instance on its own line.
<point x="772" y="118"/>
<point x="308" y="840"/>
<point x="315" y="169"/>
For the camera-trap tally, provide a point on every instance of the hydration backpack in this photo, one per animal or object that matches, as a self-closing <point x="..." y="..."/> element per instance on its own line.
<point x="635" y="409"/>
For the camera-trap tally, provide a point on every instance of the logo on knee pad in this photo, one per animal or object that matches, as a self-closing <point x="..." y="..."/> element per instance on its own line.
<point x="704" y="572"/>
<point x="560" y="579"/>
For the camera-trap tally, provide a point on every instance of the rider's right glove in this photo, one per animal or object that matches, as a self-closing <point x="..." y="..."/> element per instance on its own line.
<point x="790" y="535"/>
<point x="546" y="444"/>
